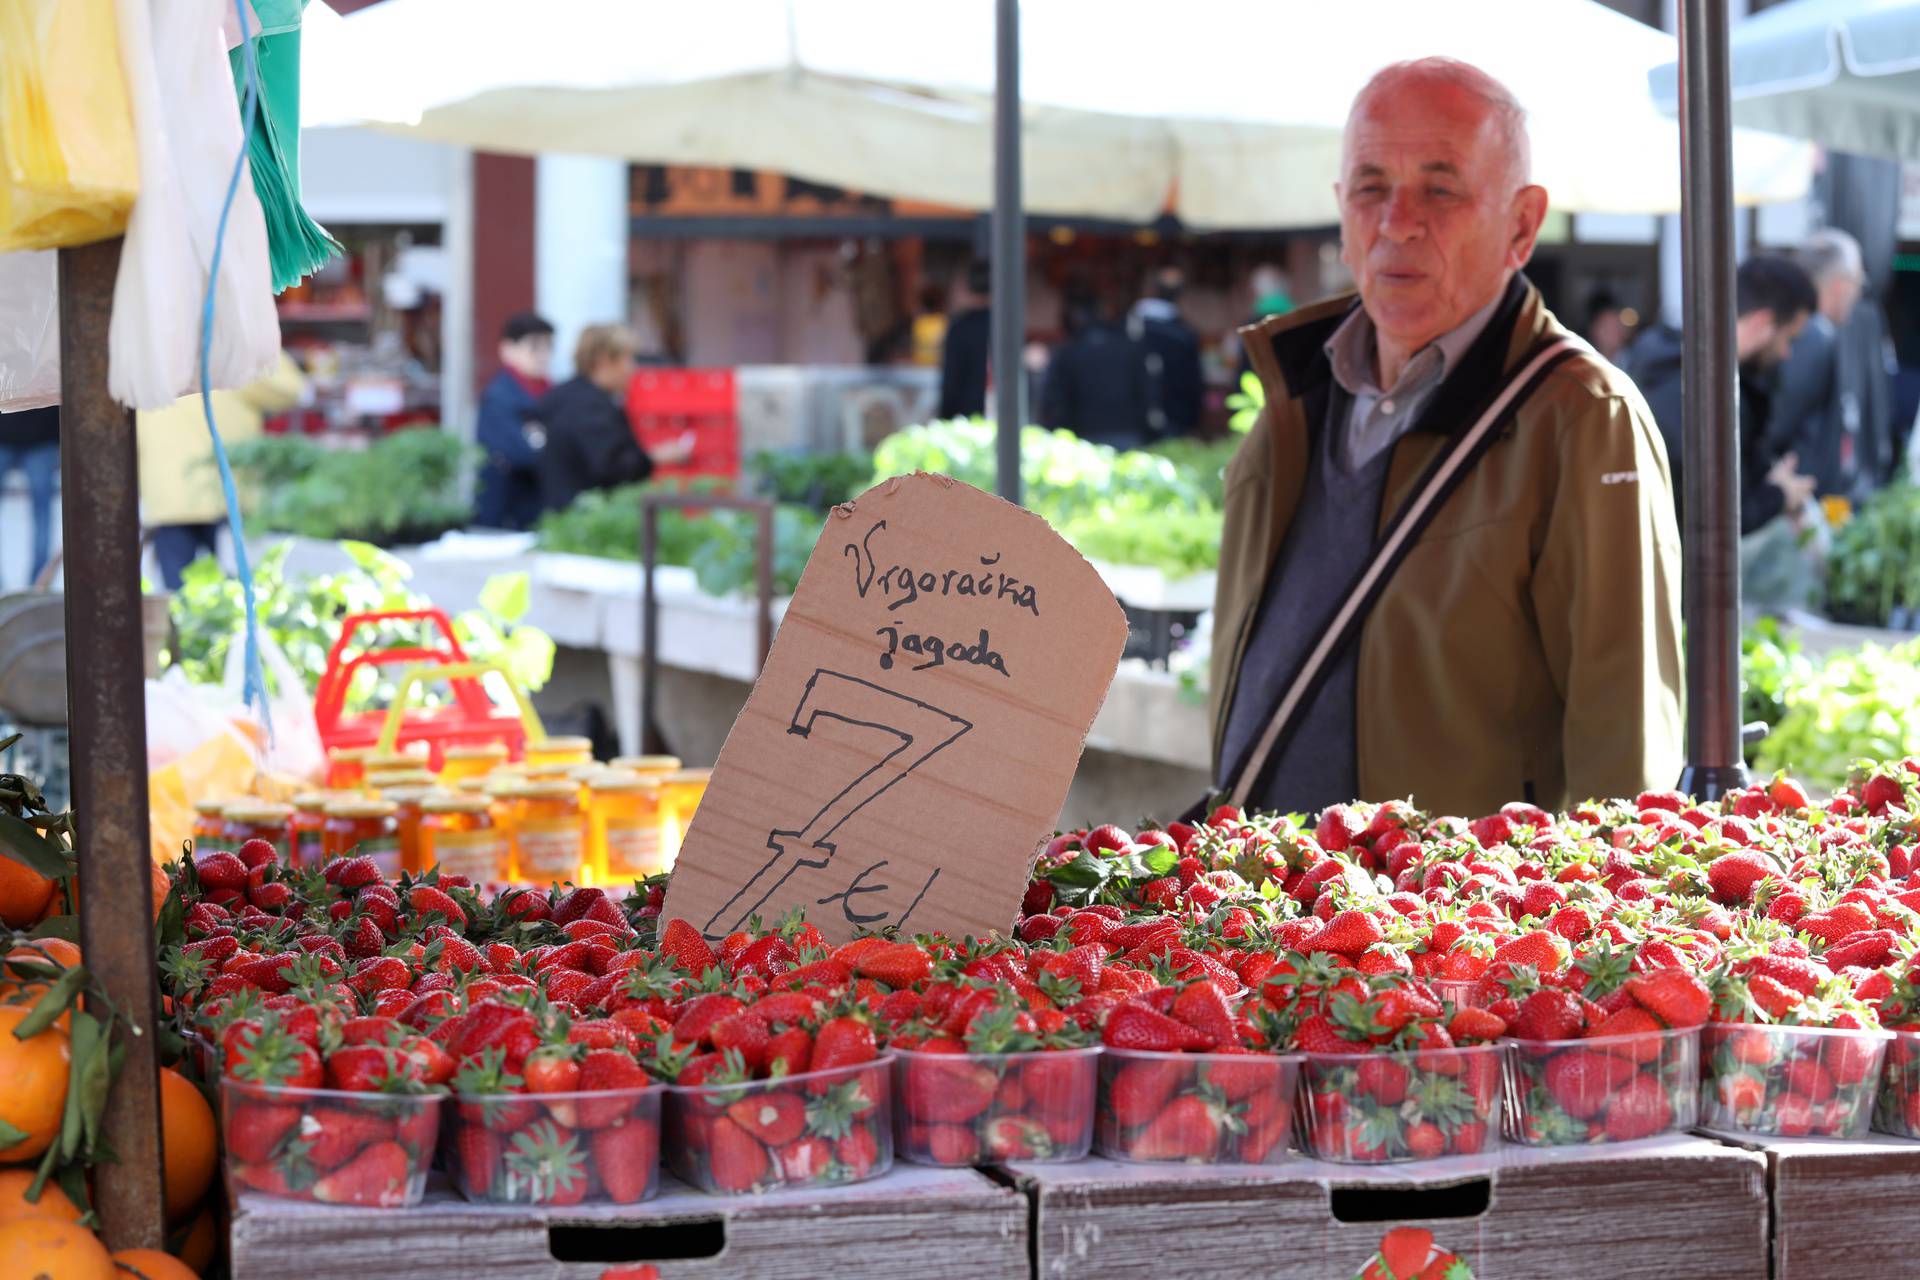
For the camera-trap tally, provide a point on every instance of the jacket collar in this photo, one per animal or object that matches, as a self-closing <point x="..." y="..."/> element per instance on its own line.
<point x="1292" y="347"/>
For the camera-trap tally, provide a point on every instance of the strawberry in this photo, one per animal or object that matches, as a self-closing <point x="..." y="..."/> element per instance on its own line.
<point x="1203" y="1007"/>
<point x="1425" y="1141"/>
<point x="842" y="1042"/>
<point x="789" y="1052"/>
<point x="1188" y="1128"/>
<point x="426" y="899"/>
<point x="898" y="964"/>
<point x="1405" y="1250"/>
<point x="362" y="1068"/>
<point x="545" y="1165"/>
<point x="1540" y="949"/>
<point x="947" y="1089"/>
<point x="859" y="1151"/>
<point x="744" y="1033"/>
<point x="1349" y="933"/>
<point x="478" y="1152"/>
<point x="681" y="944"/>
<point x="1674" y="996"/>
<point x="377" y="1177"/>
<point x="1639" y="1110"/>
<point x="1581" y="1082"/>
<point x="1140" y="1088"/>
<point x="1548" y="1014"/>
<point x="951" y="1144"/>
<point x="1734" y="875"/>
<point x="1470" y="1024"/>
<point x="254" y="1129"/>
<point x="1382" y="1079"/>
<point x="807" y="1159"/>
<point x="1137" y="1026"/>
<point x="613" y="1073"/>
<point x="775" y="1117"/>
<point x="736" y="1160"/>
<point x="625" y="1156"/>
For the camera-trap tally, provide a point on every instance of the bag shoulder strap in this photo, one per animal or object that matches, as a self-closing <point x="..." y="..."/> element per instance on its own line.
<point x="1441" y="479"/>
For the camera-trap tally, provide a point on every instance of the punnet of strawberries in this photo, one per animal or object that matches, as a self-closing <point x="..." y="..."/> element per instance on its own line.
<point x="1375" y="954"/>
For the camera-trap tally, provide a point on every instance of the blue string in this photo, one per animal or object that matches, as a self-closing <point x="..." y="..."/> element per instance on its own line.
<point x="255" y="684"/>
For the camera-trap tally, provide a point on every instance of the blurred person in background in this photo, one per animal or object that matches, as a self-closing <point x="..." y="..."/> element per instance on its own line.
<point x="1822" y="409"/>
<point x="966" y="345"/>
<point x="1772" y="300"/>
<point x="1096" y="382"/>
<point x="507" y="495"/>
<point x="1272" y="296"/>
<point x="1608" y="331"/>
<point x="1171" y="350"/>
<point x="590" y="442"/>
<point x="30" y="444"/>
<point x="181" y="500"/>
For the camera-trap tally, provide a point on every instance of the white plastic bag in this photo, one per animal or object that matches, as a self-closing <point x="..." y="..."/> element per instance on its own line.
<point x="294" y="747"/>
<point x="186" y="120"/>
<point x="29" y="331"/>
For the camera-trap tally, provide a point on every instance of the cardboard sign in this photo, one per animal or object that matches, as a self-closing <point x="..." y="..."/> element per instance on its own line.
<point x="913" y="735"/>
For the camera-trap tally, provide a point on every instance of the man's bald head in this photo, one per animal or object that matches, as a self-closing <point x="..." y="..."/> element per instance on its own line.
<point x="1452" y="78"/>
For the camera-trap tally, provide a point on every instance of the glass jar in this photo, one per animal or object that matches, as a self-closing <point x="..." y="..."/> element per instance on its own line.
<point x="260" y="820"/>
<point x="646" y="764"/>
<point x="549" y="835"/>
<point x="471" y="760"/>
<point x="363" y="828"/>
<point x="625" y="840"/>
<point x="309" y="820"/>
<point x="558" y="751"/>
<point x="210" y="827"/>
<point x="347" y="767"/>
<point x="457" y="835"/>
<point x="406" y="820"/>
<point x="680" y="793"/>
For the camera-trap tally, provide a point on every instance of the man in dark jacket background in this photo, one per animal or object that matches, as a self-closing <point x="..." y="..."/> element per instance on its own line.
<point x="1096" y="382"/>
<point x="589" y="440"/>
<point x="1772" y="299"/>
<point x="964" y="352"/>
<point x="508" y="493"/>
<point x="1172" y="353"/>
<point x="30" y="442"/>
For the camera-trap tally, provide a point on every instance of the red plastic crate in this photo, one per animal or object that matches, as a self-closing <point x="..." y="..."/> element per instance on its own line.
<point x="663" y="403"/>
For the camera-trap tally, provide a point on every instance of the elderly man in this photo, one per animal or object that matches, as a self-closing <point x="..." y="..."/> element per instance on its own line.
<point x="1832" y="400"/>
<point x="1525" y="645"/>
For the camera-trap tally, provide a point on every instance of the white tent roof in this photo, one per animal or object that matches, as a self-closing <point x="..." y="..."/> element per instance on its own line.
<point x="1227" y="113"/>
<point x="1842" y="72"/>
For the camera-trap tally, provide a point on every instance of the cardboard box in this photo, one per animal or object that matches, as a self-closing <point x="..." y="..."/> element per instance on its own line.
<point x="1672" y="1207"/>
<point x="1842" y="1208"/>
<point x="930" y="1224"/>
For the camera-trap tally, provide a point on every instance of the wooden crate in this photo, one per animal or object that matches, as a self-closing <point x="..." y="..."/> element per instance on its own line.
<point x="1842" y="1209"/>
<point x="1679" y="1206"/>
<point x="929" y="1224"/>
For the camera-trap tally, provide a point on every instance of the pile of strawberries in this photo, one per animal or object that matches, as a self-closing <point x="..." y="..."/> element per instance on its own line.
<point x="1386" y="958"/>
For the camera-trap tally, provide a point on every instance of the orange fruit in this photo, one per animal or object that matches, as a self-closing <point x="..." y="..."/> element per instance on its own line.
<point x="41" y="1249"/>
<point x="151" y="1264"/>
<point x="191" y="1140"/>
<point x="53" y="1202"/>
<point x="44" y="951"/>
<point x="161" y="887"/>
<point x="201" y="1242"/>
<point x="24" y="893"/>
<point x="35" y="1071"/>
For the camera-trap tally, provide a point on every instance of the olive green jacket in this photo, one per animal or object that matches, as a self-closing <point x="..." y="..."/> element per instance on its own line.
<point x="1528" y="647"/>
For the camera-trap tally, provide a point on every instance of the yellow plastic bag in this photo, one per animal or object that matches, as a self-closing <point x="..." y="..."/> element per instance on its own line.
<point x="68" y="169"/>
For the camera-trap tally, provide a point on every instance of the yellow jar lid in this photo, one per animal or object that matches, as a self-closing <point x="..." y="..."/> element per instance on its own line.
<point x="479" y="782"/>
<point x="623" y="780"/>
<point x="396" y="759"/>
<point x="557" y="790"/>
<point x="585" y="772"/>
<point x="647" y="764"/>
<point x="504" y="785"/>
<point x="348" y="755"/>
<point x="257" y="813"/>
<point x="311" y="801"/>
<point x="476" y="751"/>
<point x="550" y="773"/>
<point x="361" y="809"/>
<point x="690" y="775"/>
<point x="211" y="808"/>
<point x="451" y="802"/>
<point x="408" y="794"/>
<point x="381" y="779"/>
<point x="548" y="746"/>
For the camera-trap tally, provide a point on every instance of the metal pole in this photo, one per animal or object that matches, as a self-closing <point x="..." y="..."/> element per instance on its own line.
<point x="107" y="724"/>
<point x="1009" y="251"/>
<point x="1709" y="408"/>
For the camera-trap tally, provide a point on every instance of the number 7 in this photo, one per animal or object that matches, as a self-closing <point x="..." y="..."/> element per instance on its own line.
<point x="923" y="730"/>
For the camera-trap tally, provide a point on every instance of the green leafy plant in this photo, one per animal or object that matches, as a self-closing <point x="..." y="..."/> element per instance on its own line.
<point x="1246" y="403"/>
<point x="1772" y="666"/>
<point x="814" y="480"/>
<point x="404" y="487"/>
<point x="302" y="614"/>
<point x="717" y="545"/>
<point x="1874" y="567"/>
<point x="1856" y="705"/>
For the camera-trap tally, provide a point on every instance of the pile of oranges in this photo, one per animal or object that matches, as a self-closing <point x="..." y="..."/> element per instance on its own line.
<point x="44" y="1239"/>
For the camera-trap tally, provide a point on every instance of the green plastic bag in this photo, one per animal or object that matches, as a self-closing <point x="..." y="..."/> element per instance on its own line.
<point x="297" y="245"/>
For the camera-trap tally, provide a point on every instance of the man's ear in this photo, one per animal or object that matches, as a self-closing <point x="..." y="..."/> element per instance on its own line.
<point x="1529" y="211"/>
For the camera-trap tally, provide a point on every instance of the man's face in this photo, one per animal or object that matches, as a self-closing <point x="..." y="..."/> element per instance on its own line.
<point x="1839" y="294"/>
<point x="1432" y="218"/>
<point x="531" y="357"/>
<point x="1768" y="342"/>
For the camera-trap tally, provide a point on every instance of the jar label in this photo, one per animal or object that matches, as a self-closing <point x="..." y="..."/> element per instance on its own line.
<point x="480" y="856"/>
<point x="385" y="852"/>
<point x="549" y="849"/>
<point x="634" y="848"/>
<point x="308" y="850"/>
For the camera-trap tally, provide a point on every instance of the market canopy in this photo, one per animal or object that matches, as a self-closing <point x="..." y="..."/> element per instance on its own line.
<point x="1224" y="113"/>
<point x="1845" y="73"/>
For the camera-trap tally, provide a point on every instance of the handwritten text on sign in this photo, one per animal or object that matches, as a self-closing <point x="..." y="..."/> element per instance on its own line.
<point x="916" y="727"/>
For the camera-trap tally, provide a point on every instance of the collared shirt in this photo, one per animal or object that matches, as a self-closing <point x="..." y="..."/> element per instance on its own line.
<point x="1380" y="417"/>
